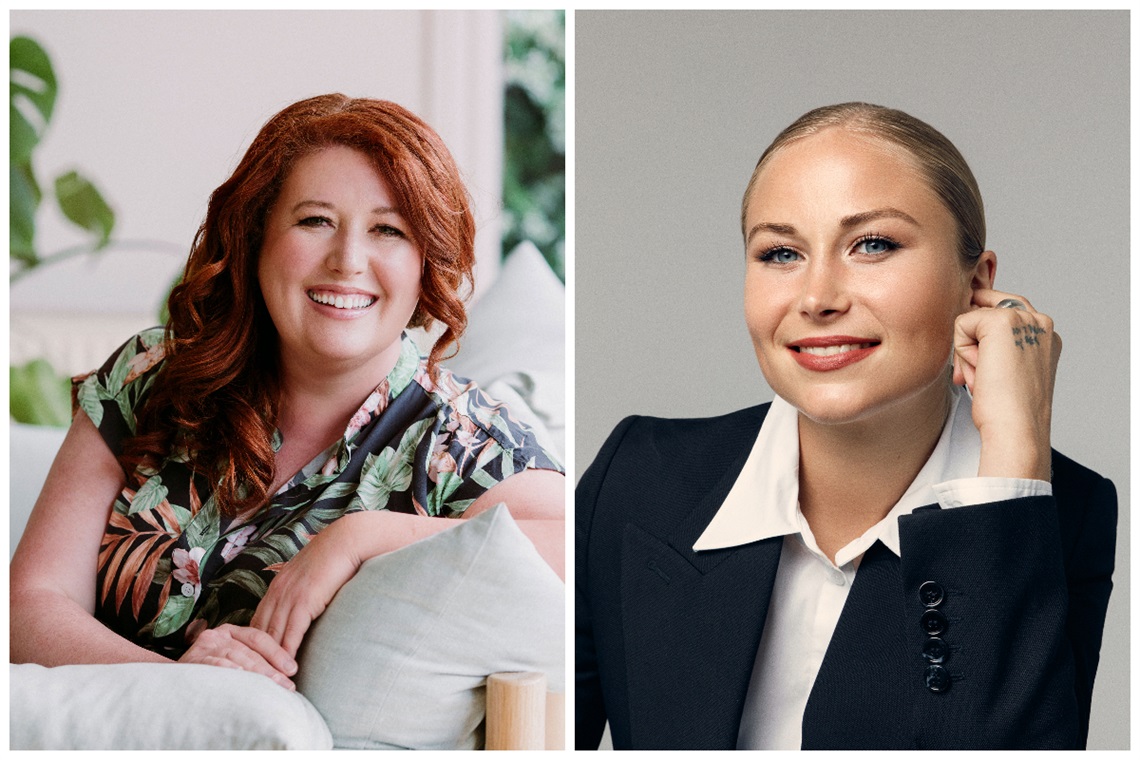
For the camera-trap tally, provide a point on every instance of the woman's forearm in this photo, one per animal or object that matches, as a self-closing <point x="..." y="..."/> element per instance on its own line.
<point x="49" y="628"/>
<point x="376" y="533"/>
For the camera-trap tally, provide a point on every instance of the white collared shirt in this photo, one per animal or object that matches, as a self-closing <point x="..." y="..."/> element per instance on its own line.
<point x="810" y="590"/>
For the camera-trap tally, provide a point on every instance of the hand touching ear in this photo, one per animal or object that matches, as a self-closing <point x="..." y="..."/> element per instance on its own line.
<point x="1007" y="357"/>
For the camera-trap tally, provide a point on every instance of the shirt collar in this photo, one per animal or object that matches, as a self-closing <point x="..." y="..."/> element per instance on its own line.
<point x="764" y="500"/>
<point x="393" y="384"/>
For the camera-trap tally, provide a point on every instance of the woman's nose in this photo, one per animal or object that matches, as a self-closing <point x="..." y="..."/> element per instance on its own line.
<point x="348" y="255"/>
<point x="825" y="292"/>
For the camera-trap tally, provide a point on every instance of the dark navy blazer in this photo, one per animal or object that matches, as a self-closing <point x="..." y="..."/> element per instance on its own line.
<point x="667" y="637"/>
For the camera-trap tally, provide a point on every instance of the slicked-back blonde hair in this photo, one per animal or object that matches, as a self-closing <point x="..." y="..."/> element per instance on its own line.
<point x="932" y="153"/>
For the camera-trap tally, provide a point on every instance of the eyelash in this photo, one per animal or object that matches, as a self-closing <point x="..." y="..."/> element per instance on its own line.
<point x="890" y="243"/>
<point x="321" y="221"/>
<point x="769" y="255"/>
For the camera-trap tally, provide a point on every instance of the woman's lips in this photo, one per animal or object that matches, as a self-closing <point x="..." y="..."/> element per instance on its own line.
<point x="831" y="353"/>
<point x="341" y="300"/>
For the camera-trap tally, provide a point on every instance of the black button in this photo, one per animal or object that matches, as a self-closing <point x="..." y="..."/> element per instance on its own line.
<point x="937" y="679"/>
<point x="931" y="594"/>
<point x="935" y="650"/>
<point x="933" y="622"/>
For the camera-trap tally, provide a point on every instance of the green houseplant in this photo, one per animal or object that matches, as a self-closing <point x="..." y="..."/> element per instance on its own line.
<point x="37" y="395"/>
<point x="534" y="175"/>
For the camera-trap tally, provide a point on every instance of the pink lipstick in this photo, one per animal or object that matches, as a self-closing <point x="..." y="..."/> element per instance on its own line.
<point x="831" y="352"/>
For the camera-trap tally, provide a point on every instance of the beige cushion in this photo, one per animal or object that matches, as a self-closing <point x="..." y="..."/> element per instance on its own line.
<point x="157" y="706"/>
<point x="516" y="336"/>
<point x="400" y="657"/>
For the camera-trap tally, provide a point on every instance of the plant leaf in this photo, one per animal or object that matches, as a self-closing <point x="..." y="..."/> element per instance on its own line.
<point x="37" y="396"/>
<point x="90" y="399"/>
<point x="174" y="613"/>
<point x="23" y="200"/>
<point x="149" y="495"/>
<point x="82" y="203"/>
<point x="32" y="91"/>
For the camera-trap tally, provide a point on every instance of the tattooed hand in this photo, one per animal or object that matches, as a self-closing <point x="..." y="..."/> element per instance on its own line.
<point x="1008" y="360"/>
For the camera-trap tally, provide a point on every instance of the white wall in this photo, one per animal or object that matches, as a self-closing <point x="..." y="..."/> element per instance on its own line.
<point x="157" y="107"/>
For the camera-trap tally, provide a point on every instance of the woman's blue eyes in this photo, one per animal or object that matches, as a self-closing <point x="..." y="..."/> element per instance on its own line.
<point x="875" y="245"/>
<point x="780" y="256"/>
<point x="868" y="246"/>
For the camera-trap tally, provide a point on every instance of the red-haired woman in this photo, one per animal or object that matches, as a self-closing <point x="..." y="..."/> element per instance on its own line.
<point x="228" y="474"/>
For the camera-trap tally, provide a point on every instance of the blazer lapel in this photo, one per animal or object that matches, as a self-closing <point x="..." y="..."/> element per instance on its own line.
<point x="866" y="685"/>
<point x="692" y="625"/>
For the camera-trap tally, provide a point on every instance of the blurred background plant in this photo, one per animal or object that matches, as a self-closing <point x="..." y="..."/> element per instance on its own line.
<point x="534" y="177"/>
<point x="31" y="102"/>
<point x="37" y="395"/>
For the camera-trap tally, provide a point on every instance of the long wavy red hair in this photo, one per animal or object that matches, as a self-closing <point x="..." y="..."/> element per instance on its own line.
<point x="216" y="396"/>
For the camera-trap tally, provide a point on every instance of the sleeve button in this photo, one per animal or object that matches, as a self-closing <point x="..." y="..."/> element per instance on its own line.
<point x="933" y="622"/>
<point x="935" y="650"/>
<point x="937" y="679"/>
<point x="931" y="594"/>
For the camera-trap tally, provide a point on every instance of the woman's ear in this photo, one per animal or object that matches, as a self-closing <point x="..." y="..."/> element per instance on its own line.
<point x="983" y="271"/>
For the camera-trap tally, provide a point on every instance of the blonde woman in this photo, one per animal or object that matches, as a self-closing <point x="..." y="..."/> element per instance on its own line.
<point x="889" y="555"/>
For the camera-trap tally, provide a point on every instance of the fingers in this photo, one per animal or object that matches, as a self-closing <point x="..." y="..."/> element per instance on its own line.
<point x="267" y="648"/>
<point x="295" y="632"/>
<point x="965" y="366"/>
<point x="985" y="298"/>
<point x="243" y="648"/>
<point x="286" y="625"/>
<point x="1007" y="357"/>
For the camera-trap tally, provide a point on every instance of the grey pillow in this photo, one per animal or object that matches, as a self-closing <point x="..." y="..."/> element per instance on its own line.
<point x="144" y="705"/>
<point x="517" y="336"/>
<point x="400" y="657"/>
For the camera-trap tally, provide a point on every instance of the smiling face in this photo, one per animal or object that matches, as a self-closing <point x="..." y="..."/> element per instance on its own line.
<point x="338" y="269"/>
<point x="853" y="279"/>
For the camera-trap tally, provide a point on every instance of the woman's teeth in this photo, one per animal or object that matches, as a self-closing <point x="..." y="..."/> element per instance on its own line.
<point x="833" y="350"/>
<point x="342" y="301"/>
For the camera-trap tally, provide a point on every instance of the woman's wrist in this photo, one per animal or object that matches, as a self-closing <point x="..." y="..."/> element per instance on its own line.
<point x="1013" y="455"/>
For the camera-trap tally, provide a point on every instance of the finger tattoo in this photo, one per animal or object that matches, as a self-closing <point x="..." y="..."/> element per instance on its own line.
<point x="1026" y="335"/>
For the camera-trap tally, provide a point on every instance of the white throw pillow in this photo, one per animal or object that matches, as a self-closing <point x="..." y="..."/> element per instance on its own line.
<point x="143" y="705"/>
<point x="517" y="334"/>
<point x="400" y="657"/>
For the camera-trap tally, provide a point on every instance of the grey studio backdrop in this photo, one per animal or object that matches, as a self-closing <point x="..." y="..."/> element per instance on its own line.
<point x="674" y="108"/>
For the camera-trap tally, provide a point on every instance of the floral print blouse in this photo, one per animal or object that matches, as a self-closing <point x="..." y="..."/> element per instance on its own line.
<point x="170" y="564"/>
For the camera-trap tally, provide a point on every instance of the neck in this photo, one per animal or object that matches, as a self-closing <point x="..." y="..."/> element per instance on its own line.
<point x="852" y="474"/>
<point x="315" y="407"/>
<point x="324" y="398"/>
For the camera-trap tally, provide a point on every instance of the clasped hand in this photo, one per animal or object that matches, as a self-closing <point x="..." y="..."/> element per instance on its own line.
<point x="298" y="595"/>
<point x="1008" y="359"/>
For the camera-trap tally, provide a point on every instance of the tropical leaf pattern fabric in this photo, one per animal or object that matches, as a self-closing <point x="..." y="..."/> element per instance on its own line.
<point x="170" y="564"/>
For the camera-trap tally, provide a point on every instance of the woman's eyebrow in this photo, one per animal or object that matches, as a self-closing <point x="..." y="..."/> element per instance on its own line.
<point x="779" y="229"/>
<point x="330" y="206"/>
<point x="886" y="212"/>
<point x="854" y="220"/>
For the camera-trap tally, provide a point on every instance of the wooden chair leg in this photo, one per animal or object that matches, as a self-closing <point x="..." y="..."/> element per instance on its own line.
<point x="516" y="711"/>
<point x="555" y="720"/>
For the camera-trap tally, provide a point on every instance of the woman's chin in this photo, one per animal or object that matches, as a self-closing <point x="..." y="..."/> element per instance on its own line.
<point x="833" y="412"/>
<point x="844" y="404"/>
<point x="336" y="353"/>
